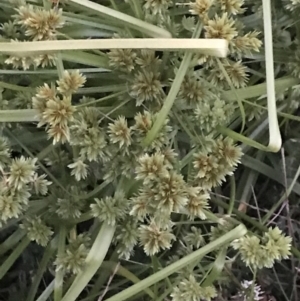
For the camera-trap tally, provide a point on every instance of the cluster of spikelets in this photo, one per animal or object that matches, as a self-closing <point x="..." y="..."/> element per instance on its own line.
<point x="258" y="253"/>
<point x="54" y="105"/>
<point x="19" y="181"/>
<point x="72" y="260"/>
<point x="212" y="165"/>
<point x="32" y="23"/>
<point x="189" y="289"/>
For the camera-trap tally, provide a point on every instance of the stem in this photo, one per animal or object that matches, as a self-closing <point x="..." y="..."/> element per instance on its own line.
<point x="26" y="115"/>
<point x="11" y="241"/>
<point x="238" y="99"/>
<point x="59" y="275"/>
<point x="47" y="292"/>
<point x="13" y="256"/>
<point x="238" y="137"/>
<point x="163" y="113"/>
<point x="274" y="132"/>
<point x="40" y="272"/>
<point x="232" y="194"/>
<point x="144" y="27"/>
<point x="15" y="87"/>
<point x="214" y="47"/>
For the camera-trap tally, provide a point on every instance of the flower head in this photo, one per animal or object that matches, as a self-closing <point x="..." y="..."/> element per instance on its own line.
<point x="119" y="132"/>
<point x="258" y="253"/>
<point x="151" y="168"/>
<point x="201" y="7"/>
<point x="70" y="82"/>
<point x="146" y="87"/>
<point x="22" y="172"/>
<point x="170" y="193"/>
<point x="189" y="289"/>
<point x="73" y="259"/>
<point x="40" y="24"/>
<point x="197" y="202"/>
<point x="122" y="59"/>
<point x="221" y="28"/>
<point x="157" y="6"/>
<point x="127" y="237"/>
<point x="193" y="91"/>
<point x="59" y="133"/>
<point x="110" y="209"/>
<point x="40" y="184"/>
<point x="58" y="112"/>
<point x="247" y="43"/>
<point x="79" y="169"/>
<point x="37" y="230"/>
<point x="4" y="152"/>
<point x="154" y="239"/>
<point x="233" y="7"/>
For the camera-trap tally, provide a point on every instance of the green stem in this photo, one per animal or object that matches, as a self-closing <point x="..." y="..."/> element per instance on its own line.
<point x="59" y="66"/>
<point x="6" y="265"/>
<point x="95" y="191"/>
<point x="59" y="275"/>
<point x="103" y="89"/>
<point x="85" y="58"/>
<point x="232" y="194"/>
<point x="47" y="292"/>
<point x="126" y="274"/>
<point x="103" y="277"/>
<point x="15" y="87"/>
<point x="233" y="89"/>
<point x="144" y="27"/>
<point x="93" y="102"/>
<point x="163" y="113"/>
<point x="11" y="241"/>
<point x="40" y="272"/>
<point x="26" y="115"/>
<point x="217" y="268"/>
<point x="261" y="89"/>
<point x="238" y="137"/>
